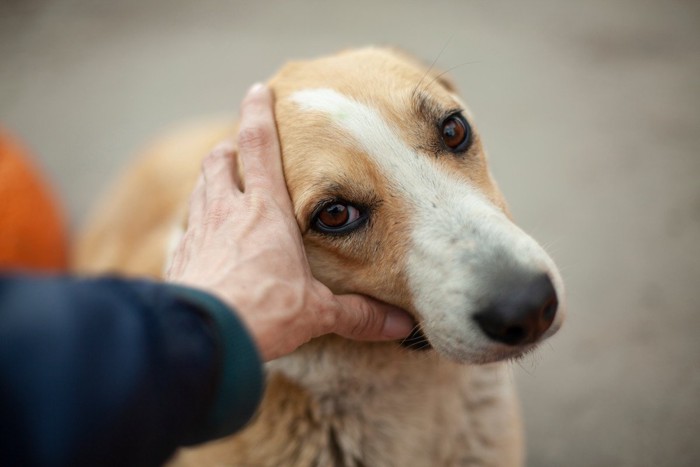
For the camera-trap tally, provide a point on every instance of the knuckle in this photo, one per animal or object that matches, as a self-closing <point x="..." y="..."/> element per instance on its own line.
<point x="327" y="314"/>
<point x="216" y="158"/>
<point x="359" y="319"/>
<point x="218" y="211"/>
<point x="254" y="138"/>
<point x="363" y="324"/>
<point x="257" y="205"/>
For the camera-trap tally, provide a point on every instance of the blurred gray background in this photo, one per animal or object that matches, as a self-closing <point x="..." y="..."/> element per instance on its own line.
<point x="591" y="114"/>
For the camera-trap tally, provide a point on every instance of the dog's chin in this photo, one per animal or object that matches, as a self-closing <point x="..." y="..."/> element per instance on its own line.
<point x="492" y="354"/>
<point x="418" y="342"/>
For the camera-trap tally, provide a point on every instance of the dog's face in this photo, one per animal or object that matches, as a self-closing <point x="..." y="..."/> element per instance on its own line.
<point x="393" y="194"/>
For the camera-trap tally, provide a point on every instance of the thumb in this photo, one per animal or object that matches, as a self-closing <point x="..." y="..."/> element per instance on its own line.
<point x="363" y="318"/>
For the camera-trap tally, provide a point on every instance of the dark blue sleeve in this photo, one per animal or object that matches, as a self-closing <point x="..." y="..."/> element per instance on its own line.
<point x="118" y="372"/>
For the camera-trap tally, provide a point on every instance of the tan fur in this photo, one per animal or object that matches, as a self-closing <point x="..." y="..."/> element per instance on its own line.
<point x="130" y="231"/>
<point x="333" y="402"/>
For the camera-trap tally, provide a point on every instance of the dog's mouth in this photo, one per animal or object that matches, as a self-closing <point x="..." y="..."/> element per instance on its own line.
<point x="416" y="341"/>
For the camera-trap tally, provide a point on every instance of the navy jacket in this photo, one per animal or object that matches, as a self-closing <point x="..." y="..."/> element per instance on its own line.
<point x="107" y="372"/>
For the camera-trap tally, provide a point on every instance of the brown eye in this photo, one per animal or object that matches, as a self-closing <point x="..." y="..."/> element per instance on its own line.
<point x="334" y="215"/>
<point x="337" y="218"/>
<point x="455" y="133"/>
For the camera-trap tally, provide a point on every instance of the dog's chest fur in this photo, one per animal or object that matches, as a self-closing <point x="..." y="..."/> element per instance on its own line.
<point x="377" y="408"/>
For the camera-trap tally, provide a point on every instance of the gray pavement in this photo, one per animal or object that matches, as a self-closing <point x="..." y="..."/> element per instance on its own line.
<point x="591" y="114"/>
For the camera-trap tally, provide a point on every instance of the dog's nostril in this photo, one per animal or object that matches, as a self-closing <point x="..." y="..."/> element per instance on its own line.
<point x="515" y="334"/>
<point x="496" y="328"/>
<point x="522" y="314"/>
<point x="550" y="309"/>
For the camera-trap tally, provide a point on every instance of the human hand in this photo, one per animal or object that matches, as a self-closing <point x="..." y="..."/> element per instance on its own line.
<point x="244" y="246"/>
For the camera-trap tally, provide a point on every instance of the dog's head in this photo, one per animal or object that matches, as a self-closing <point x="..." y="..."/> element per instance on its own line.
<point x="393" y="194"/>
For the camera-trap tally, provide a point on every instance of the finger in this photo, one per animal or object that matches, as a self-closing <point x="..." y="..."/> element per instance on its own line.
<point x="218" y="172"/>
<point x="363" y="318"/>
<point x="258" y="143"/>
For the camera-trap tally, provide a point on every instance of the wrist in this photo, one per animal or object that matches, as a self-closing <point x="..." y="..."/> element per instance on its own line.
<point x="239" y="383"/>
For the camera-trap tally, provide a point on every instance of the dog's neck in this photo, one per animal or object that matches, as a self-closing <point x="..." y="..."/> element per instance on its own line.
<point x="361" y="391"/>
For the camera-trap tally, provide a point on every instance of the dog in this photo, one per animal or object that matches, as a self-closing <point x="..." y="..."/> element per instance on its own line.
<point x="392" y="192"/>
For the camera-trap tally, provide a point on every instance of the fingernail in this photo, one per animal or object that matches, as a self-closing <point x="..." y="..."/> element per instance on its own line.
<point x="223" y="148"/>
<point x="221" y="152"/>
<point x="398" y="324"/>
<point x="256" y="88"/>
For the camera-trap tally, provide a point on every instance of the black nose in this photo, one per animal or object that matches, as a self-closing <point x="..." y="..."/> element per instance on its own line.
<point x="521" y="313"/>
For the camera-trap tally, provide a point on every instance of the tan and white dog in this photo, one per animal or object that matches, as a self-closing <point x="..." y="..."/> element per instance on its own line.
<point x="392" y="192"/>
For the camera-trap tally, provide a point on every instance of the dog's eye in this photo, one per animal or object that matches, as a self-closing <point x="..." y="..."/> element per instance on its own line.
<point x="338" y="217"/>
<point x="456" y="132"/>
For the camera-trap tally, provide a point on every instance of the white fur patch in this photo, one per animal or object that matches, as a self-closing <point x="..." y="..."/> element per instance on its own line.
<point x="456" y="230"/>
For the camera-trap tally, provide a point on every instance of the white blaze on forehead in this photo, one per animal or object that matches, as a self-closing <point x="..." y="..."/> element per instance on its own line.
<point x="408" y="170"/>
<point x="453" y="226"/>
<point x="363" y="123"/>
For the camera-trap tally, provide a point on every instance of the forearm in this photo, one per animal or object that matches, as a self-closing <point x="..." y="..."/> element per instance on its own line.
<point x="115" y="372"/>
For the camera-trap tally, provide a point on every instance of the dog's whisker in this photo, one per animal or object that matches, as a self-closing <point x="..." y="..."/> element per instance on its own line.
<point x="531" y="357"/>
<point x="519" y="362"/>
<point x="415" y="357"/>
<point x="440" y="75"/>
<point x="430" y="68"/>
<point x="552" y="246"/>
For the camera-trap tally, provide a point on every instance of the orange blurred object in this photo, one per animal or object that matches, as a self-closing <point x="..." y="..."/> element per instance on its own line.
<point x="32" y="231"/>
